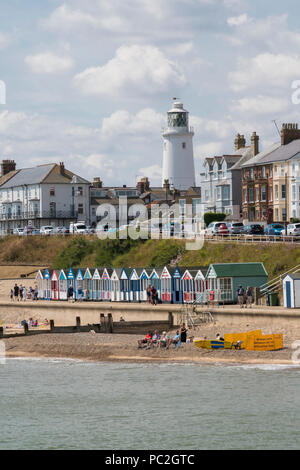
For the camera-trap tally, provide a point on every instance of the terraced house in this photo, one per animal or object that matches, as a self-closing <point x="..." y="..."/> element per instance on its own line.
<point x="271" y="180"/>
<point x="44" y="195"/>
<point x="220" y="180"/>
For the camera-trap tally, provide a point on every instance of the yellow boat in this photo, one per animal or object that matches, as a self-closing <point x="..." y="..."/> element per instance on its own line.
<point x="212" y="344"/>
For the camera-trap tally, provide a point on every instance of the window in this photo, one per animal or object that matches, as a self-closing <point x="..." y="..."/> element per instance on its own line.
<point x="52" y="209"/>
<point x="226" y="193"/>
<point x="80" y="208"/>
<point x="80" y="191"/>
<point x="245" y="196"/>
<point x="251" y="173"/>
<point x="276" y="192"/>
<point x="183" y="145"/>
<point x="52" y="191"/>
<point x="251" y="194"/>
<point x="225" y="283"/>
<point x="293" y="193"/>
<point x="276" y="214"/>
<point x="283" y="191"/>
<point x="271" y="195"/>
<point x="207" y="195"/>
<point x="263" y="193"/>
<point x="264" y="172"/>
<point x="257" y="194"/>
<point x="219" y="193"/>
<point x="284" y="214"/>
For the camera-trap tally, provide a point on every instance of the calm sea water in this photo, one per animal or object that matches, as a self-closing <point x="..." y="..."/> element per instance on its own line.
<point x="64" y="404"/>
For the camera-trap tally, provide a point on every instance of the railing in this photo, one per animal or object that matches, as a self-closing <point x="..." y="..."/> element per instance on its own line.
<point x="40" y="215"/>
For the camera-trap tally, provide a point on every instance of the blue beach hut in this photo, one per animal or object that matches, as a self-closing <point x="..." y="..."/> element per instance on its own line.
<point x="155" y="280"/>
<point x="134" y="286"/>
<point x="124" y="285"/>
<point x="144" y="283"/>
<point x="177" y="294"/>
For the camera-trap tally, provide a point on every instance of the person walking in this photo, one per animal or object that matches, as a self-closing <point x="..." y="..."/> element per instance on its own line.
<point x="16" y="292"/>
<point x="249" y="297"/>
<point x="241" y="296"/>
<point x="183" y="332"/>
<point x="24" y="294"/>
<point x="148" y="291"/>
<point x="153" y="295"/>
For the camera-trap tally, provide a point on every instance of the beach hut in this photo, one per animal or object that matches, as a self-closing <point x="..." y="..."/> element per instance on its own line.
<point x="78" y="283"/>
<point x="54" y="285"/>
<point x="115" y="293"/>
<point x="155" y="280"/>
<point x="47" y="284"/>
<point x="88" y="284"/>
<point x="71" y="279"/>
<point x="63" y="285"/>
<point x="96" y="287"/>
<point x="144" y="283"/>
<point x="134" y="286"/>
<point x="105" y="284"/>
<point x="166" y="285"/>
<point x="291" y="290"/>
<point x="224" y="279"/>
<point x="39" y="282"/>
<point x="177" y="295"/>
<point x="124" y="285"/>
<point x="188" y="287"/>
<point x="200" y="285"/>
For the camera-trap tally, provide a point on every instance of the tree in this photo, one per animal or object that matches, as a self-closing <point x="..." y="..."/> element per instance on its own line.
<point x="210" y="217"/>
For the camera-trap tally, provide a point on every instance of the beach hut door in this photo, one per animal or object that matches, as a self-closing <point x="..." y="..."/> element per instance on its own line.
<point x="288" y="294"/>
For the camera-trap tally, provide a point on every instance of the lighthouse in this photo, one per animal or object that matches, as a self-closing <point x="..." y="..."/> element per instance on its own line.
<point x="178" y="154"/>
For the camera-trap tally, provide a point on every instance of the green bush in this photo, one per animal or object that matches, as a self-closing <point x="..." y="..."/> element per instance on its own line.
<point x="72" y="255"/>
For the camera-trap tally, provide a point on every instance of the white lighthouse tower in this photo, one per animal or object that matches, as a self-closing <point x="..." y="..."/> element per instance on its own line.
<point x="178" y="154"/>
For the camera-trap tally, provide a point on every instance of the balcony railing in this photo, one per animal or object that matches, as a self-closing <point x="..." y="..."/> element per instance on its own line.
<point x="39" y="215"/>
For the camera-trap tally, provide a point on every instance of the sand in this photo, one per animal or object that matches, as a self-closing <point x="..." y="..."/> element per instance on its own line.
<point x="123" y="347"/>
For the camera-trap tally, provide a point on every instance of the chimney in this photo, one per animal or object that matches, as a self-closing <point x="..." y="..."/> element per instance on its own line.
<point x="239" y="142"/>
<point x="7" y="166"/>
<point x="97" y="183"/>
<point x="143" y="185"/>
<point x="166" y="185"/>
<point x="62" y="168"/>
<point x="289" y="132"/>
<point x="255" y="143"/>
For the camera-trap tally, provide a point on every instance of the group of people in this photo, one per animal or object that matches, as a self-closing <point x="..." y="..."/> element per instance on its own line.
<point x="21" y="293"/>
<point x="245" y="297"/>
<point x="152" y="295"/>
<point x="164" y="340"/>
<point x="34" y="323"/>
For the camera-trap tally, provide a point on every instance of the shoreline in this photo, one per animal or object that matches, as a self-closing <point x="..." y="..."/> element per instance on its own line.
<point x="98" y="350"/>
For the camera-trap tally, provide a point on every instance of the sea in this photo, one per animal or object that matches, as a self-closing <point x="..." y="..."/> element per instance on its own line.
<point x="72" y="404"/>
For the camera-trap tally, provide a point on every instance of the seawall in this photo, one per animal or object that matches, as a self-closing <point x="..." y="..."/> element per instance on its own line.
<point x="65" y="313"/>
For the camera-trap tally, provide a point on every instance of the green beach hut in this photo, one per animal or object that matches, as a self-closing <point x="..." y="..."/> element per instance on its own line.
<point x="225" y="278"/>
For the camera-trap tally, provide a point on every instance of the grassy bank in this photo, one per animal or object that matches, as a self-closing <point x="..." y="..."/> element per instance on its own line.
<point x="62" y="252"/>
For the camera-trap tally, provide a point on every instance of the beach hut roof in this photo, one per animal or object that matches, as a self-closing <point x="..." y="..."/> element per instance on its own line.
<point x="239" y="269"/>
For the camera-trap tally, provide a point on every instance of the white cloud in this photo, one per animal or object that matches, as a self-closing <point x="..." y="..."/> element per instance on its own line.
<point x="260" y="105"/>
<point x="147" y="121"/>
<point x="5" y="40"/>
<point x="49" y="63"/>
<point x="154" y="172"/>
<point x="134" y="69"/>
<point x="267" y="70"/>
<point x="238" y="20"/>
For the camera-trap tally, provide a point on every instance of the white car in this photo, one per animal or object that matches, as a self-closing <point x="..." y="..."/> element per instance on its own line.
<point x="46" y="230"/>
<point x="292" y="230"/>
<point x="78" y="228"/>
<point x="213" y="228"/>
<point x="18" y="231"/>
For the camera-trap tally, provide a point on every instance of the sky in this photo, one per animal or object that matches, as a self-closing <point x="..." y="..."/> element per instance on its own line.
<point x="89" y="82"/>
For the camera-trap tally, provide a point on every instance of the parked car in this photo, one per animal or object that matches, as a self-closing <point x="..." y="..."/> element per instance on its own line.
<point x="223" y="230"/>
<point x="18" y="231"/>
<point x="78" y="228"/>
<point x="35" y="232"/>
<point x="213" y="228"/>
<point x="235" y="227"/>
<point x="292" y="230"/>
<point x="46" y="230"/>
<point x="274" y="229"/>
<point x="254" y="229"/>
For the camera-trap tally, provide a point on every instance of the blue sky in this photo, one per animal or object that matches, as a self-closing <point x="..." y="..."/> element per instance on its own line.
<point x="89" y="81"/>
